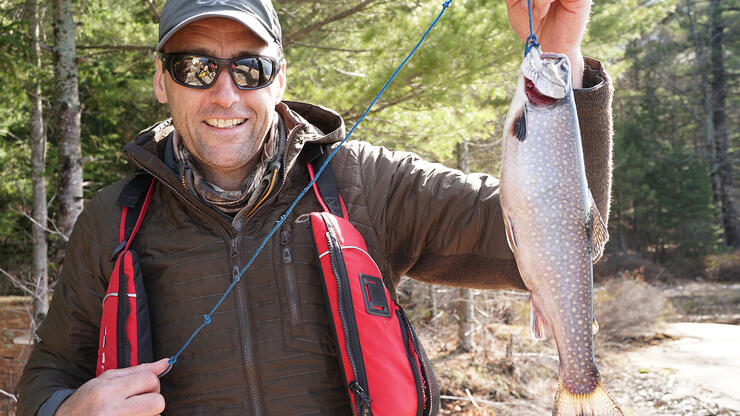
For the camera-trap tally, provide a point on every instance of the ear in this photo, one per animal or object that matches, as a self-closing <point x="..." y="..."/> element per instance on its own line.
<point x="159" y="77"/>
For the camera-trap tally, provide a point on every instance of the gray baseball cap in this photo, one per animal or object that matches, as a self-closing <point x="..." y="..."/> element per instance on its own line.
<point x="257" y="15"/>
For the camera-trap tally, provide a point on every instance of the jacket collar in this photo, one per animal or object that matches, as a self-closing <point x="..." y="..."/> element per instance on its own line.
<point x="305" y="123"/>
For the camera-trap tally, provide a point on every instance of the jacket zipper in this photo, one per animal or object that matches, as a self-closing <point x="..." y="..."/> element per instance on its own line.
<point x="249" y="353"/>
<point x="182" y="197"/>
<point x="244" y="313"/>
<point x="124" y="349"/>
<point x="270" y="198"/>
<point x="358" y="385"/>
<point x="290" y="282"/>
<point x="246" y="340"/>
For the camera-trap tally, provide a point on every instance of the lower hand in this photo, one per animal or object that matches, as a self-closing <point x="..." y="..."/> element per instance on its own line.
<point x="559" y="26"/>
<point x="125" y="391"/>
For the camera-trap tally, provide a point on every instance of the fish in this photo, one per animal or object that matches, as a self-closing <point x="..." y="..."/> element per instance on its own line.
<point x="553" y="226"/>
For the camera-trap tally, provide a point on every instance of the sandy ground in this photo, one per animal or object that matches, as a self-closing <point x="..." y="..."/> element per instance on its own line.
<point x="700" y="372"/>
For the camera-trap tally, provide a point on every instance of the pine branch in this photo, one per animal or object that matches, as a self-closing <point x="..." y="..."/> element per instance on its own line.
<point x="293" y="37"/>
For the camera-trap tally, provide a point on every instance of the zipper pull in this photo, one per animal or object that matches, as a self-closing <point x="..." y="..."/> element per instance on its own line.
<point x="234" y="242"/>
<point x="363" y="403"/>
<point x="285" y="243"/>
<point x="234" y="273"/>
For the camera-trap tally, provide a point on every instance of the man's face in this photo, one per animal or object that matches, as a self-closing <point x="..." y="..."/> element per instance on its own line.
<point x="248" y="115"/>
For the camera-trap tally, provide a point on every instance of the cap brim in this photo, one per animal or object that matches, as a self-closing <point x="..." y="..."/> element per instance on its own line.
<point x="252" y="23"/>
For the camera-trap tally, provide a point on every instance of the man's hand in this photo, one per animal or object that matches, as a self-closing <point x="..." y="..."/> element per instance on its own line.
<point x="559" y="26"/>
<point x="126" y="391"/>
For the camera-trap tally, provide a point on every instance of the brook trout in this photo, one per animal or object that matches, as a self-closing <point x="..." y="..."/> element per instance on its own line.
<point x="553" y="226"/>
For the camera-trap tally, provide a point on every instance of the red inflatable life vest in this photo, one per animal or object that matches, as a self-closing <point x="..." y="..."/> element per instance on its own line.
<point x="125" y="336"/>
<point x="385" y="368"/>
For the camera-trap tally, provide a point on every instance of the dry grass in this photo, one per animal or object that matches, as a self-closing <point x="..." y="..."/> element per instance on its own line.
<point x="627" y="306"/>
<point x="723" y="267"/>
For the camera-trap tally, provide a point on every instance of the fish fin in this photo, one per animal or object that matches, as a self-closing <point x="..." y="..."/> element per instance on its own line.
<point x="510" y="237"/>
<point x="597" y="403"/>
<point x="599" y="234"/>
<point x="519" y="126"/>
<point x="594" y="327"/>
<point x="541" y="329"/>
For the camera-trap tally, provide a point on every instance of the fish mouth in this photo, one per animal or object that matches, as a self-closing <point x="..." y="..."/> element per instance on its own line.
<point x="535" y="97"/>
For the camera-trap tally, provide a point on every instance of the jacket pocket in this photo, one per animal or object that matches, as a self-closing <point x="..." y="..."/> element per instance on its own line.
<point x="306" y="327"/>
<point x="293" y="302"/>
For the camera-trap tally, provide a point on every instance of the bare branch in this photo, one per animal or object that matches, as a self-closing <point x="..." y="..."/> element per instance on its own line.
<point x="55" y="231"/>
<point x="118" y="47"/>
<point x="20" y="192"/>
<point x="301" y="33"/>
<point x="327" y="48"/>
<point x="18" y="283"/>
<point x="11" y="396"/>
<point x="490" y="403"/>
<point x="154" y="9"/>
<point x="472" y="399"/>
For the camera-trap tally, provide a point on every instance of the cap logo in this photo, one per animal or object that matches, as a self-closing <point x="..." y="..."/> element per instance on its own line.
<point x="211" y="2"/>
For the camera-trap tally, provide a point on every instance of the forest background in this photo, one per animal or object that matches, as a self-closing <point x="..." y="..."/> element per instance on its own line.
<point x="77" y="86"/>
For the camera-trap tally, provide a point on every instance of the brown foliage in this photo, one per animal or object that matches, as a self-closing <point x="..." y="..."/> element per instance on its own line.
<point x="723" y="267"/>
<point x="614" y="264"/>
<point x="628" y="306"/>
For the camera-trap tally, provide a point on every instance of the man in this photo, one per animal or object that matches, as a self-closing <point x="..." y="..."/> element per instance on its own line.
<point x="228" y="165"/>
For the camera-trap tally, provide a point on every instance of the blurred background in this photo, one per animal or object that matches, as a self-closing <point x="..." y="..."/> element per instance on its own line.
<point x="77" y="86"/>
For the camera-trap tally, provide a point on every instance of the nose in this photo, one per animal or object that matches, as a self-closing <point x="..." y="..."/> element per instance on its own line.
<point x="224" y="92"/>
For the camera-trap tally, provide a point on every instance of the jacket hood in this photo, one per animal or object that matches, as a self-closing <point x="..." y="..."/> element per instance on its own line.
<point x="328" y="124"/>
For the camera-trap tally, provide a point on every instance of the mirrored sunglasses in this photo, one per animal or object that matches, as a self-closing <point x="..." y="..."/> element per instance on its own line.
<point x="201" y="71"/>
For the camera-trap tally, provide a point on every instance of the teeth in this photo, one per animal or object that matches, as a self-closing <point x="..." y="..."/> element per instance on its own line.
<point x="223" y="123"/>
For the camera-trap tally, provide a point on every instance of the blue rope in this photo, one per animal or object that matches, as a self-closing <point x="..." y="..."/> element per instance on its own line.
<point x="531" y="40"/>
<point x="207" y="317"/>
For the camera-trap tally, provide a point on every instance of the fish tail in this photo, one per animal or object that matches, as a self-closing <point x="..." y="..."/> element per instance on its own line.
<point x="597" y="403"/>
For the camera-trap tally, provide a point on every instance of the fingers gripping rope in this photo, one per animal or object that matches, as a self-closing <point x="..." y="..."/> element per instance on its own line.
<point x="207" y="317"/>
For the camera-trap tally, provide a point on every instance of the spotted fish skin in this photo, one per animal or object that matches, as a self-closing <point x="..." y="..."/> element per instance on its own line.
<point x="553" y="226"/>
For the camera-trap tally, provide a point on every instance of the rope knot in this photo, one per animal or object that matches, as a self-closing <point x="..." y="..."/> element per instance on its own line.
<point x="530" y="43"/>
<point x="207" y="319"/>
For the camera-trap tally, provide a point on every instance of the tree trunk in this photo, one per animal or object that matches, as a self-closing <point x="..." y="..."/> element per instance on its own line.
<point x="465" y="301"/>
<point x="70" y="153"/>
<point x="39" y="270"/>
<point x="730" y="219"/>
<point x="701" y="50"/>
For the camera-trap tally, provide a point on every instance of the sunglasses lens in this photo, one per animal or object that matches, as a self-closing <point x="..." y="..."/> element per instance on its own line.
<point x="201" y="71"/>
<point x="195" y="71"/>
<point x="254" y="72"/>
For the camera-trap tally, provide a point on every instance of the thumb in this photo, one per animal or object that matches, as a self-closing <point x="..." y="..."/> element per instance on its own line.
<point x="157" y="367"/>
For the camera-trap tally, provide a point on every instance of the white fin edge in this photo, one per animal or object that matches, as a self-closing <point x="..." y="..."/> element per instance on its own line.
<point x="541" y="330"/>
<point x="510" y="236"/>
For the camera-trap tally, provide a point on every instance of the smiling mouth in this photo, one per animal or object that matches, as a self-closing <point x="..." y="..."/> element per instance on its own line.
<point x="224" y="123"/>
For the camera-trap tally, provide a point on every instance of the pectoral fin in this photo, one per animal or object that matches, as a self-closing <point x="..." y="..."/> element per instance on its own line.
<point x="510" y="236"/>
<point x="598" y="233"/>
<point x="541" y="329"/>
